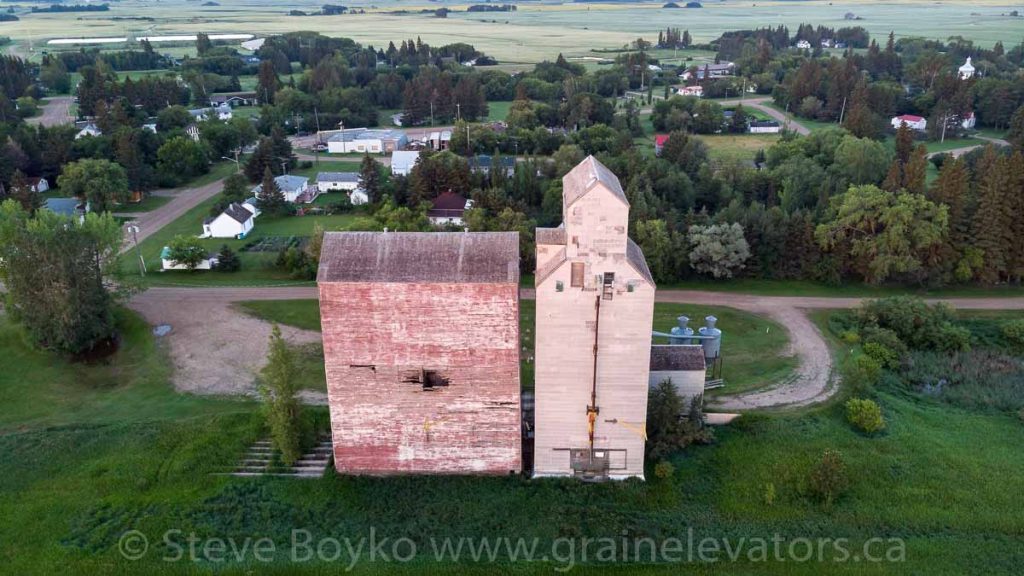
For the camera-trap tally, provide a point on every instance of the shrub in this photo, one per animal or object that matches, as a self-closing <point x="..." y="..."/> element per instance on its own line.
<point x="862" y="373"/>
<point x="672" y="424"/>
<point x="915" y="323"/>
<point x="865" y="415"/>
<point x="227" y="260"/>
<point x="663" y="470"/>
<point x="885" y="356"/>
<point x="887" y="338"/>
<point x="829" y="479"/>
<point x="850" y="337"/>
<point x="1013" y="331"/>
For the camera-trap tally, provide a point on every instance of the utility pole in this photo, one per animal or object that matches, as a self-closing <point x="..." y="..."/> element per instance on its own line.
<point x="458" y="115"/>
<point x="134" y="229"/>
<point x="842" y="111"/>
<point x="431" y="113"/>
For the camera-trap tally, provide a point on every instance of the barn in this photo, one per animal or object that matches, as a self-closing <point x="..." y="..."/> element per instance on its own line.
<point x="421" y="348"/>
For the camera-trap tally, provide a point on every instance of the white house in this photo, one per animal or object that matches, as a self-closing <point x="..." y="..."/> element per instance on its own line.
<point x="402" y="161"/>
<point x="913" y="122"/>
<point x="448" y="208"/>
<point x="362" y="140"/>
<point x="337" y="181"/>
<point x="223" y="112"/>
<point x="697" y="91"/>
<point x="38" y="185"/>
<point x="150" y="125"/>
<point x="969" y="121"/>
<point x="295" y="189"/>
<point x="236" y="221"/>
<point x="967" y="70"/>
<point x="803" y="45"/>
<point x="765" y="127"/>
<point x="88" y="130"/>
<point x="167" y="264"/>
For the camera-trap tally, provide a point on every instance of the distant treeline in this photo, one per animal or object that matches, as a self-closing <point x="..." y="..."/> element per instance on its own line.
<point x="8" y="18"/>
<point x="74" y="8"/>
<point x="491" y="8"/>
<point x="145" y="59"/>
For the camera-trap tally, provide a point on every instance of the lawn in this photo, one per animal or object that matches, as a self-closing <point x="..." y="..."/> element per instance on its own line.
<point x="150" y="202"/>
<point x="737" y="147"/>
<point x="753" y="346"/>
<point x="326" y="166"/>
<point x="91" y="452"/>
<point x="257" y="268"/>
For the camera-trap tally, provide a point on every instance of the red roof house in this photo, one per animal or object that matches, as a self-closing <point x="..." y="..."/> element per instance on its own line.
<point x="659" y="142"/>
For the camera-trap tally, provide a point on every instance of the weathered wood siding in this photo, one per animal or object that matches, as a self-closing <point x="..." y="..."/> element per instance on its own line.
<point x="378" y="336"/>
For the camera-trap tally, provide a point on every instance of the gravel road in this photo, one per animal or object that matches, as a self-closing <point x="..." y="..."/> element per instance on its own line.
<point x="56" y="111"/>
<point x="212" y="343"/>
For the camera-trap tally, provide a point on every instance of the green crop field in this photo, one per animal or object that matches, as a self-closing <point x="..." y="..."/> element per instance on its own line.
<point x="536" y="31"/>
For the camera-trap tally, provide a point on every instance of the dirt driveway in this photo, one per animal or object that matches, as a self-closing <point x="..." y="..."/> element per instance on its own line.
<point x="56" y="111"/>
<point x="215" y="348"/>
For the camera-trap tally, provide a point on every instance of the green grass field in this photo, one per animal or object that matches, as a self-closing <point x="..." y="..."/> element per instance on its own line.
<point x="737" y="147"/>
<point x="91" y="452"/>
<point x="753" y="346"/>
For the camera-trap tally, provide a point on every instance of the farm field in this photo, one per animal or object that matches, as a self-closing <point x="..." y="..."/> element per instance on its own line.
<point x="137" y="456"/>
<point x="533" y="33"/>
<point x="754" y="353"/>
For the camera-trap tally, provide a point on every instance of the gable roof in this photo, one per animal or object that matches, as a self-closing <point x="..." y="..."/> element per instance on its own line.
<point x="660" y="139"/>
<point x="585" y="176"/>
<point x="422" y="257"/>
<point x="449" y="201"/>
<point x="337" y="177"/>
<point x="909" y="118"/>
<point x="404" y="159"/>
<point x="237" y="213"/>
<point x="636" y="259"/>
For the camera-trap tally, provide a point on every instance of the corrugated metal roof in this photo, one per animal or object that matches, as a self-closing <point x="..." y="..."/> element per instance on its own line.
<point x="585" y="176"/>
<point x="677" y="358"/>
<point x="438" y="257"/>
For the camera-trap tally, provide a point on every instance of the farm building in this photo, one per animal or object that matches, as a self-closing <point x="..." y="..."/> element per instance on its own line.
<point x="595" y="301"/>
<point x="402" y="162"/>
<point x="719" y="70"/>
<point x="233" y="99"/>
<point x="764" y="127"/>
<point x="363" y="140"/>
<point x="697" y="91"/>
<point x="421" y="347"/>
<point x="439" y="140"/>
<point x="222" y="112"/>
<point x="448" y="208"/>
<point x="38" y="184"/>
<point x="482" y="164"/>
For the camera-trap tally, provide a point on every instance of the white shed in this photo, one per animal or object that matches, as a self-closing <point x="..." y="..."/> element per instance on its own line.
<point x="236" y="221"/>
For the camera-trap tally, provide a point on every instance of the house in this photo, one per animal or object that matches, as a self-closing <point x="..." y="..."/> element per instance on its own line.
<point x="421" y="351"/>
<point x="363" y="140"/>
<point x="967" y="70"/>
<point x="482" y="164"/>
<point x="718" y="70"/>
<point x="595" y="306"/>
<point x="402" y="162"/>
<point x="236" y="221"/>
<point x="440" y="140"/>
<point x="969" y="121"/>
<point x="764" y="127"/>
<point x="654" y="68"/>
<point x="659" y="143"/>
<point x="295" y="189"/>
<point x="167" y="264"/>
<point x="342" y="182"/>
<point x="697" y="91"/>
<point x="337" y="181"/>
<point x="150" y="125"/>
<point x="803" y="45"/>
<point x="38" y="184"/>
<point x="222" y="112"/>
<point x="89" y="129"/>
<point x="233" y="99"/>
<point x="913" y="122"/>
<point x="448" y="208"/>
<point x="396" y="118"/>
<point x="72" y="207"/>
<point x="826" y="42"/>
<point x="192" y="131"/>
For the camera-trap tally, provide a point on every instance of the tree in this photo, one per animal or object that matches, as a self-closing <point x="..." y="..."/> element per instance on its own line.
<point x="22" y="193"/>
<point x="916" y="171"/>
<point x="53" y="269"/>
<point x="829" y="479"/>
<point x="653" y="238"/>
<point x="186" y="250"/>
<point x="993" y="219"/>
<point x="718" y="250"/>
<point x="1016" y="134"/>
<point x="860" y="160"/>
<point x="180" y="159"/>
<point x="267" y="83"/>
<point x="370" y="179"/>
<point x="173" y="117"/>
<point x="672" y="422"/>
<point x="203" y="44"/>
<point x="882" y="233"/>
<point x="271" y="199"/>
<point x="861" y="121"/>
<point x="101" y="183"/>
<point x="278" y="388"/>
<point x="227" y="260"/>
